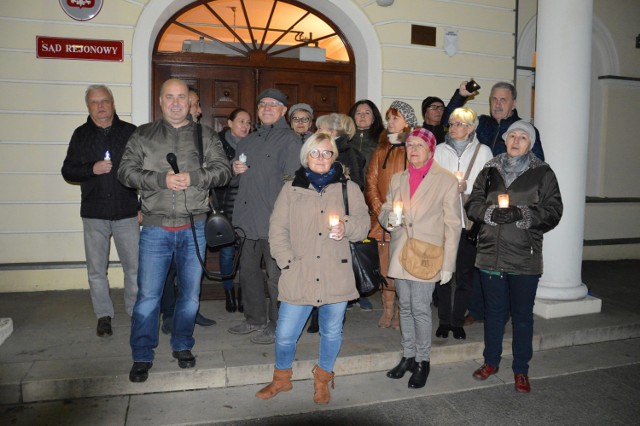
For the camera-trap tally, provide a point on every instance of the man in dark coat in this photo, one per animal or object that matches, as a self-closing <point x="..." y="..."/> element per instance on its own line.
<point x="108" y="208"/>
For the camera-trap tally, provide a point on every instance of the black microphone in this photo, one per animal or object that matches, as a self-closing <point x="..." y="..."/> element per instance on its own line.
<point x="173" y="162"/>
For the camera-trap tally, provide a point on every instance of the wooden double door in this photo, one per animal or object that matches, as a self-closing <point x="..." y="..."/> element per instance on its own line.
<point x="228" y="83"/>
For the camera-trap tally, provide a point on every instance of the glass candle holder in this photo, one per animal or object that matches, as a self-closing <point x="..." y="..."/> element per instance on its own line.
<point x="503" y="201"/>
<point x="397" y="209"/>
<point x="334" y="219"/>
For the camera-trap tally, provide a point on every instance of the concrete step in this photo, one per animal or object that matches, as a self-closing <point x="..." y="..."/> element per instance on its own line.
<point x="365" y="350"/>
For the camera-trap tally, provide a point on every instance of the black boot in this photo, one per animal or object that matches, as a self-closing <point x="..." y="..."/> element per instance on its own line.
<point x="405" y="364"/>
<point x="240" y="305"/>
<point x="230" y="300"/>
<point x="204" y="321"/>
<point x="443" y="331"/>
<point x="314" y="327"/>
<point x="419" y="377"/>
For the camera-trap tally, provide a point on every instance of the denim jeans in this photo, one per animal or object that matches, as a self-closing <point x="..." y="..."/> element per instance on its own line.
<point x="157" y="249"/>
<point x="97" y="233"/>
<point x="226" y="264"/>
<point x="414" y="302"/>
<point x="291" y="321"/>
<point x="504" y="294"/>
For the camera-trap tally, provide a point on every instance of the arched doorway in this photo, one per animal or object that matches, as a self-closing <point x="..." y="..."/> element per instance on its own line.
<point x="230" y="50"/>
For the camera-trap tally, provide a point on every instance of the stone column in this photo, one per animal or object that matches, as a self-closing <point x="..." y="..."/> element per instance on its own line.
<point x="563" y="73"/>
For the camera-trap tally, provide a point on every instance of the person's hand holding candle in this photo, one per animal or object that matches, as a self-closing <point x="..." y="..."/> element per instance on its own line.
<point x="336" y="228"/>
<point x="462" y="183"/>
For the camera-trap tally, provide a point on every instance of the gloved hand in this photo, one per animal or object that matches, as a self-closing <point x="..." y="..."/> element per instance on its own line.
<point x="506" y="215"/>
<point x="445" y="277"/>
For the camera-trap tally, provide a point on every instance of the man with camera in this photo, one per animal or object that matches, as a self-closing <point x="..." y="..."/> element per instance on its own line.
<point x="161" y="160"/>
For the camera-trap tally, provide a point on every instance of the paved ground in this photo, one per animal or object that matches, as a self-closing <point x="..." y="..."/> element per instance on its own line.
<point x="586" y="370"/>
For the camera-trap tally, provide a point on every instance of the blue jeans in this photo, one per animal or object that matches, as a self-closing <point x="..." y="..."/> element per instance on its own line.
<point x="291" y="321"/>
<point x="157" y="248"/>
<point x="504" y="294"/>
<point x="226" y="264"/>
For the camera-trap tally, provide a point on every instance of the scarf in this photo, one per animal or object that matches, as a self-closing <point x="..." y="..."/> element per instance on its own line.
<point x="231" y="140"/>
<point x="320" y="181"/>
<point x="513" y="166"/>
<point x="416" y="176"/>
<point x="459" y="146"/>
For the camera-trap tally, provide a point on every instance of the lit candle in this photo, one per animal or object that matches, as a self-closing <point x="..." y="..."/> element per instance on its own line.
<point x="242" y="158"/>
<point x="503" y="200"/>
<point x="397" y="209"/>
<point x="107" y="156"/>
<point x="334" y="219"/>
<point x="459" y="175"/>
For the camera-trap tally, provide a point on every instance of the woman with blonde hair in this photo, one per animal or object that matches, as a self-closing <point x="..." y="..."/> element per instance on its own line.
<point x="463" y="154"/>
<point x="309" y="234"/>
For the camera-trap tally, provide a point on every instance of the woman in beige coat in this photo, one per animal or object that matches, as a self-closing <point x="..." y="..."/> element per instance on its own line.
<point x="430" y="213"/>
<point x="315" y="260"/>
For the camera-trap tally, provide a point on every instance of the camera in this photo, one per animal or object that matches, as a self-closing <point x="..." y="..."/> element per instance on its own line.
<point x="472" y="86"/>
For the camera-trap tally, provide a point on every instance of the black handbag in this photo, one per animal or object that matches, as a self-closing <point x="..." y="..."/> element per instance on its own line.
<point x="365" y="258"/>
<point x="472" y="234"/>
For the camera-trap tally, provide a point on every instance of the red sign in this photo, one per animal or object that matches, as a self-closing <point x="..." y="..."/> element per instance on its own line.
<point x="77" y="48"/>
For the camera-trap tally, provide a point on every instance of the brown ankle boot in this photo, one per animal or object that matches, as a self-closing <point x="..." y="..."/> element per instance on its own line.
<point x="396" y="317"/>
<point x="387" y="305"/>
<point x="281" y="383"/>
<point x="321" y="381"/>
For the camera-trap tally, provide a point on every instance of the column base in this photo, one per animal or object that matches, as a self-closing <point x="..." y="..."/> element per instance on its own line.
<point x="6" y="328"/>
<point x="548" y="309"/>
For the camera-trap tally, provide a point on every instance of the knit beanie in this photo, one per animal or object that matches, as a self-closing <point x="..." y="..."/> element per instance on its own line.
<point x="406" y="111"/>
<point x="525" y="127"/>
<point x="426" y="136"/>
<point x="428" y="101"/>
<point x="301" y="106"/>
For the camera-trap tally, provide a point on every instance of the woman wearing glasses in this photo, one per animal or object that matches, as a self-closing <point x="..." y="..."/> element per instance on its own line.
<point x="309" y="235"/>
<point x="430" y="213"/>
<point x="301" y="120"/>
<point x="464" y="155"/>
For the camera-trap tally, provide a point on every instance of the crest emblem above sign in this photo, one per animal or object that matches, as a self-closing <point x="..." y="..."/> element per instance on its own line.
<point x="81" y="10"/>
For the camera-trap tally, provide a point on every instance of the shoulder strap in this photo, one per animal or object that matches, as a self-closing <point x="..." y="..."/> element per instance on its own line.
<point x="473" y="159"/>
<point x="345" y="198"/>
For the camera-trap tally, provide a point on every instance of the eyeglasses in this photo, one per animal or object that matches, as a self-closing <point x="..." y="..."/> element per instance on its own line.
<point x="458" y="124"/>
<point x="326" y="154"/>
<point x="300" y="119"/>
<point x="436" y="108"/>
<point x="411" y="145"/>
<point x="263" y="105"/>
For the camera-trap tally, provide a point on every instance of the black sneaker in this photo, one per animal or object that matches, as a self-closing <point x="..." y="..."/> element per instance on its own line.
<point x="140" y="372"/>
<point x="104" y="327"/>
<point x="185" y="358"/>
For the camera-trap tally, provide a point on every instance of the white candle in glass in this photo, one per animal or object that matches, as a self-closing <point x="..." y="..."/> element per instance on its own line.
<point x="503" y="200"/>
<point x="397" y="209"/>
<point x="334" y="219"/>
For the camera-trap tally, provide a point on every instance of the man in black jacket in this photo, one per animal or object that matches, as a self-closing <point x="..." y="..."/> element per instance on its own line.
<point x="108" y="208"/>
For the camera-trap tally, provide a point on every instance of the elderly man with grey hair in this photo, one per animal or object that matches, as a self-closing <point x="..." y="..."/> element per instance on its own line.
<point x="262" y="161"/>
<point x="108" y="208"/>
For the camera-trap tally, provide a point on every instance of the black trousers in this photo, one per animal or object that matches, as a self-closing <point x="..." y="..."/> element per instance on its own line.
<point x="452" y="307"/>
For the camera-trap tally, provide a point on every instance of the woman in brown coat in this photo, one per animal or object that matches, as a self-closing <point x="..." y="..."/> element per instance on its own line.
<point x="430" y="212"/>
<point x="388" y="159"/>
<point x="315" y="260"/>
